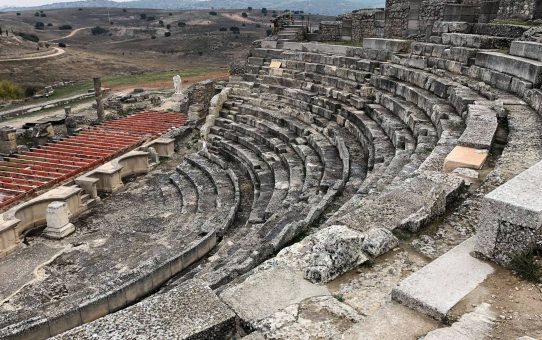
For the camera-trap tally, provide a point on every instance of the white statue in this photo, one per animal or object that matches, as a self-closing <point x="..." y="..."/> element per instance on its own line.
<point x="177" y="83"/>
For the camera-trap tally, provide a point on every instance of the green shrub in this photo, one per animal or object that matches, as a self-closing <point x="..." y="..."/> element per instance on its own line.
<point x="223" y="29"/>
<point x="526" y="267"/>
<point x="10" y="90"/>
<point x="244" y="15"/>
<point x="39" y="25"/>
<point x="167" y="34"/>
<point x="98" y="30"/>
<point x="65" y="27"/>
<point x="181" y="24"/>
<point x="62" y="44"/>
<point x="213" y="13"/>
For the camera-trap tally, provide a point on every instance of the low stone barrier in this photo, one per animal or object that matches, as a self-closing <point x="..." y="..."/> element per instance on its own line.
<point x="111" y="301"/>
<point x="217" y="102"/>
<point x="23" y="217"/>
<point x="511" y="217"/>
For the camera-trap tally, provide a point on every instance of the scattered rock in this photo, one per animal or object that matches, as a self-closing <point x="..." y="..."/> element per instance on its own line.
<point x="379" y="241"/>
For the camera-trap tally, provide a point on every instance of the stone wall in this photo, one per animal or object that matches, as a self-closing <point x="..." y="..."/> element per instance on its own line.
<point x="367" y="23"/>
<point x="201" y="94"/>
<point x="520" y="9"/>
<point x="397" y="12"/>
<point x="330" y="30"/>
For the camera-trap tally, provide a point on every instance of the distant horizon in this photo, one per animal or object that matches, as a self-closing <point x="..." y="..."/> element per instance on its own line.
<point x="32" y="3"/>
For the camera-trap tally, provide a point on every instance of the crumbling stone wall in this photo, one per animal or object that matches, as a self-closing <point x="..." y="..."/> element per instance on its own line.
<point x="520" y="9"/>
<point x="397" y="12"/>
<point x="367" y="23"/>
<point x="330" y="30"/>
<point x="200" y="93"/>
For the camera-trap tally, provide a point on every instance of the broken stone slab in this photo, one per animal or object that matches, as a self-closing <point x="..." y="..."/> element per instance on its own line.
<point x="391" y="45"/>
<point x="267" y="291"/>
<point x="527" y="49"/>
<point x="190" y="311"/>
<point x="322" y="317"/>
<point x="465" y="157"/>
<point x="511" y="217"/>
<point x="436" y="288"/>
<point x="474" y="325"/>
<point x="58" y="220"/>
<point x="379" y="241"/>
<point x="324" y="255"/>
<point x="523" y="68"/>
<point x="481" y="127"/>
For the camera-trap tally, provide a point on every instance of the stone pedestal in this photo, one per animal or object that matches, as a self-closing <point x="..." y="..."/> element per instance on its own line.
<point x="58" y="223"/>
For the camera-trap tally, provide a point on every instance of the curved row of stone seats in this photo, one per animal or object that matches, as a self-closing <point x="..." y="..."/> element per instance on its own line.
<point x="210" y="195"/>
<point x="400" y="160"/>
<point x="480" y="118"/>
<point x="257" y="169"/>
<point x="227" y="190"/>
<point x="293" y="162"/>
<point x="275" y="164"/>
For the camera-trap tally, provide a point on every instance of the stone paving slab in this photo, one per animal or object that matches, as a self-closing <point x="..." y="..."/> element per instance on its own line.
<point x="436" y="288"/>
<point x="191" y="311"/>
<point x="268" y="291"/>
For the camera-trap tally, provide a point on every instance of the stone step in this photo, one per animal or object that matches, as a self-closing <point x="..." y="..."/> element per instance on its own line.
<point x="481" y="127"/>
<point x="523" y="68"/>
<point x="499" y="30"/>
<point x="436" y="288"/>
<point x="188" y="193"/>
<point x="475" y="40"/>
<point x="527" y="49"/>
<point x="390" y="45"/>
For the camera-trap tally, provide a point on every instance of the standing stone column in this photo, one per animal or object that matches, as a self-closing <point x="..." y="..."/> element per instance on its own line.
<point x="99" y="103"/>
<point x="8" y="140"/>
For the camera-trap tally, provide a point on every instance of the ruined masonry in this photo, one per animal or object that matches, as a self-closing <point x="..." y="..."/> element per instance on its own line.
<point x="305" y="210"/>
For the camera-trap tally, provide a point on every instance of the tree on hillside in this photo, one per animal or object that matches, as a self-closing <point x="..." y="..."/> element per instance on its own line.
<point x="249" y="9"/>
<point x="124" y="10"/>
<point x="168" y="26"/>
<point x="65" y="27"/>
<point x="39" y="25"/>
<point x="264" y="11"/>
<point x="167" y="34"/>
<point x="143" y="16"/>
<point x="0" y="31"/>
<point x="10" y="90"/>
<point x="18" y="13"/>
<point x="213" y="13"/>
<point x="244" y="15"/>
<point x="37" y="14"/>
<point x="181" y="24"/>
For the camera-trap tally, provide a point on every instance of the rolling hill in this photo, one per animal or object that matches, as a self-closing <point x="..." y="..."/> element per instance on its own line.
<point x="324" y="7"/>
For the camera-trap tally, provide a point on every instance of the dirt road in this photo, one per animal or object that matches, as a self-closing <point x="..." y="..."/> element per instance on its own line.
<point x="58" y="51"/>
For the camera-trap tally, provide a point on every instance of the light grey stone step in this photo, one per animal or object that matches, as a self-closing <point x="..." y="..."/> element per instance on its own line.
<point x="475" y="40"/>
<point x="474" y="325"/>
<point x="188" y="193"/>
<point x="527" y="49"/>
<point x="523" y="68"/>
<point x="436" y="288"/>
<point x="392" y="45"/>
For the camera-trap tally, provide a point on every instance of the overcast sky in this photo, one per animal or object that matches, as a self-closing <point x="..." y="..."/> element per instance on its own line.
<point x="21" y="3"/>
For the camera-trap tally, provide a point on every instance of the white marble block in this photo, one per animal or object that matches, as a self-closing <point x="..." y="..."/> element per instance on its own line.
<point x="58" y="222"/>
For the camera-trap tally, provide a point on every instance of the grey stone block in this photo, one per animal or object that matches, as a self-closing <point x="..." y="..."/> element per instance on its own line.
<point x="511" y="217"/>
<point x="440" y="285"/>
<point x="65" y="321"/>
<point x="481" y="127"/>
<point x="526" y="69"/>
<point x="527" y="49"/>
<point x="94" y="309"/>
<point x="390" y="45"/>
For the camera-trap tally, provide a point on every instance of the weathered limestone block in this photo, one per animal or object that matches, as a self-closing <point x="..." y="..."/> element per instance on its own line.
<point x="267" y="291"/>
<point x="322" y="317"/>
<point x="391" y="45"/>
<point x="511" y="217"/>
<point x="440" y="27"/>
<point x="334" y="251"/>
<point x="58" y="222"/>
<point x="379" y="241"/>
<point x="481" y="127"/>
<point x="527" y="49"/>
<point x="526" y="69"/>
